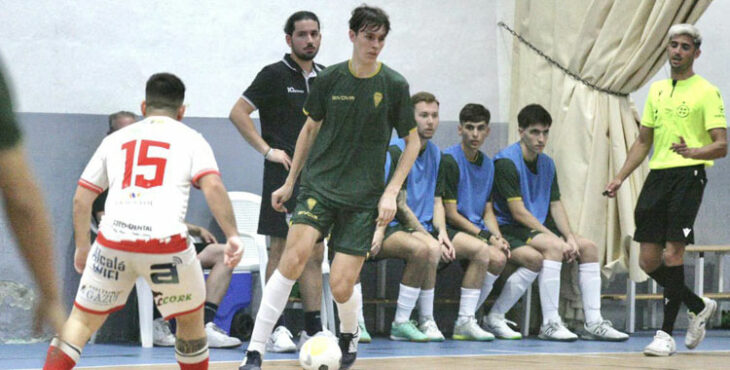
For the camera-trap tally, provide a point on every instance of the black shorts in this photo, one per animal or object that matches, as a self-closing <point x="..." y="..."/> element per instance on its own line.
<point x="271" y="222"/>
<point x="668" y="205"/>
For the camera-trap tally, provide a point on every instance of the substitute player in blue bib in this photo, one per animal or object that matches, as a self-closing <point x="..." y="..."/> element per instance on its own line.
<point x="529" y="211"/>
<point x="465" y="179"/>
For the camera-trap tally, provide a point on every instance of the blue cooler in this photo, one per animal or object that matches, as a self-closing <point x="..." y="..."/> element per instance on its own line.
<point x="237" y="297"/>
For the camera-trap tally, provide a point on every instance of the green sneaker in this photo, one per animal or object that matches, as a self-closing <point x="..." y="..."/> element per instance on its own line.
<point x="407" y="331"/>
<point x="364" y="335"/>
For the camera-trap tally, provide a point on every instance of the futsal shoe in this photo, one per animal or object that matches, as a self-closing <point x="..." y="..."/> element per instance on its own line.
<point x="555" y="330"/>
<point x="696" y="328"/>
<point x="364" y="335"/>
<point x="217" y="338"/>
<point x="348" y="346"/>
<point x="304" y="337"/>
<point x="428" y="327"/>
<point x="406" y="331"/>
<point x="161" y="334"/>
<point x="251" y="362"/>
<point x="281" y="341"/>
<point x="466" y="328"/>
<point x="602" y="331"/>
<point x="497" y="324"/>
<point x="662" y="345"/>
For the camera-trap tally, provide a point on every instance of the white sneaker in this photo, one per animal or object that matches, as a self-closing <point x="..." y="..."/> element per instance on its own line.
<point x="281" y="341"/>
<point x="662" y="345"/>
<point x="556" y="330"/>
<point x="602" y="330"/>
<point x="304" y="337"/>
<point x="428" y="326"/>
<point x="217" y="338"/>
<point x="497" y="324"/>
<point x="161" y="334"/>
<point x="466" y="328"/>
<point x="696" y="327"/>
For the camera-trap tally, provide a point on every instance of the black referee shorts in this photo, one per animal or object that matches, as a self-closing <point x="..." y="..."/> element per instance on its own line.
<point x="271" y="222"/>
<point x="668" y="205"/>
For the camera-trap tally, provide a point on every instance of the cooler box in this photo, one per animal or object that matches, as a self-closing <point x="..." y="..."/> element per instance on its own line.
<point x="237" y="297"/>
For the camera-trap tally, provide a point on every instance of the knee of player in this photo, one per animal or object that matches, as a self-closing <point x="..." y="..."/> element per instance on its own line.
<point x="482" y="256"/>
<point x="588" y="247"/>
<point x="648" y="264"/>
<point x="497" y="259"/>
<point x="673" y="257"/>
<point x="341" y="291"/>
<point x="434" y="252"/>
<point x="533" y="262"/>
<point x="422" y="253"/>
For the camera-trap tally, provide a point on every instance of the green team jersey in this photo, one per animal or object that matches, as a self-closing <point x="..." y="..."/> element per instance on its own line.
<point x="346" y="162"/>
<point x="9" y="132"/>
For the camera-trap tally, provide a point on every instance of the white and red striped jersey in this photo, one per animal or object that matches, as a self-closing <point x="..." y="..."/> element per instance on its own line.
<point x="148" y="168"/>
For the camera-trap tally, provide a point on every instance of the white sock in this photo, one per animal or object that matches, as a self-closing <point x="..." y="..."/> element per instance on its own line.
<point x="273" y="301"/>
<point x="425" y="303"/>
<point x="468" y="302"/>
<point x="513" y="289"/>
<point x="407" y="297"/>
<point x="358" y="290"/>
<point x="486" y="288"/>
<point x="589" y="278"/>
<point x="549" y="283"/>
<point x="347" y="312"/>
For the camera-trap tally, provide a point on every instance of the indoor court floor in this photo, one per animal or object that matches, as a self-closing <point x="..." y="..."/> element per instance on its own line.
<point x="531" y="353"/>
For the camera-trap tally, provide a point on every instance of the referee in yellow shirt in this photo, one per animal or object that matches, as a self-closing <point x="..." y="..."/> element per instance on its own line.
<point x="684" y="119"/>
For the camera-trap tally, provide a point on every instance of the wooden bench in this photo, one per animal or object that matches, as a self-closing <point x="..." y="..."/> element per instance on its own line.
<point x="631" y="297"/>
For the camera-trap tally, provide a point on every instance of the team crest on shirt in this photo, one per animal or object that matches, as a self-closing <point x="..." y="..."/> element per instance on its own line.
<point x="377" y="98"/>
<point x="311" y="202"/>
<point x="682" y="110"/>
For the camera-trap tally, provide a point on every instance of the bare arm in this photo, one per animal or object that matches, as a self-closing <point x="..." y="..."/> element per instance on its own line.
<point x="716" y="149"/>
<point x="220" y="206"/>
<point x="83" y="199"/>
<point x="458" y="220"/>
<point x="219" y="203"/>
<point x="490" y="219"/>
<point x="306" y="138"/>
<point x="448" y="253"/>
<point x="561" y="218"/>
<point x="525" y="218"/>
<point x="241" y="117"/>
<point x="387" y="205"/>
<point x="638" y="151"/>
<point x="405" y="213"/>
<point x="29" y="220"/>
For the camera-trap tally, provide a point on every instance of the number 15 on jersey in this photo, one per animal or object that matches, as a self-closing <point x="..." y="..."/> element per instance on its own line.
<point x="132" y="162"/>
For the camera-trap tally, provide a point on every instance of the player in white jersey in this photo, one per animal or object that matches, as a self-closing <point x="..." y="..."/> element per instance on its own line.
<point x="148" y="168"/>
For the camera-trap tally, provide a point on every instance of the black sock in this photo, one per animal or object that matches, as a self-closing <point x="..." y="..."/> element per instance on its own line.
<point x="693" y="302"/>
<point x="672" y="301"/>
<point x="312" y="322"/>
<point x="209" y="312"/>
<point x="660" y="275"/>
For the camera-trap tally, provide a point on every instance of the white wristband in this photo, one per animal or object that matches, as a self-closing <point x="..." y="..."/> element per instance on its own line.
<point x="266" y="156"/>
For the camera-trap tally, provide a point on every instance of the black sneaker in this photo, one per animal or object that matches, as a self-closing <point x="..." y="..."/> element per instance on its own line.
<point x="252" y="361"/>
<point x="348" y="346"/>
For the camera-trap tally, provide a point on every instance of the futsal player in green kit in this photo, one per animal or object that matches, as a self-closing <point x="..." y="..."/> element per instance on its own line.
<point x="351" y="111"/>
<point x="684" y="119"/>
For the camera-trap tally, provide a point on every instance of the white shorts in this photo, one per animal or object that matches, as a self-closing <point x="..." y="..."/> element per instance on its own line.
<point x="176" y="280"/>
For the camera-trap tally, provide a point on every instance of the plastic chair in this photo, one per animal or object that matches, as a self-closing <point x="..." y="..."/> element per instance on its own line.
<point x="246" y="208"/>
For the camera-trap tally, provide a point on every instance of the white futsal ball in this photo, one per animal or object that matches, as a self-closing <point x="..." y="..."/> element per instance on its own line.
<point x="320" y="353"/>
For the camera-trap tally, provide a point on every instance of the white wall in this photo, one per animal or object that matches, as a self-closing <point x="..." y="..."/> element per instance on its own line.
<point x="713" y="62"/>
<point x="94" y="56"/>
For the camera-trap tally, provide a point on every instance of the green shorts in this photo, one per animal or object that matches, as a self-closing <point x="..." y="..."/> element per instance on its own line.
<point x="351" y="230"/>
<point x="400" y="227"/>
<point x="518" y="235"/>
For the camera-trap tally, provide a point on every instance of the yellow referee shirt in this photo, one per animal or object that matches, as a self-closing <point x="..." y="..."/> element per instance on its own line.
<point x="688" y="108"/>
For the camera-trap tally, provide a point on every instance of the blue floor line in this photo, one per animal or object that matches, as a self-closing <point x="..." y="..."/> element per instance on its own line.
<point x="30" y="356"/>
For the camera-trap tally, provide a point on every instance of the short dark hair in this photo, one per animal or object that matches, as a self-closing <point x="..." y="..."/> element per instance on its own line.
<point x="533" y="113"/>
<point x="299" y="16"/>
<point x="164" y="91"/>
<point x="369" y="17"/>
<point x="425" y="97"/>
<point x="474" y="112"/>
<point x="114" y="116"/>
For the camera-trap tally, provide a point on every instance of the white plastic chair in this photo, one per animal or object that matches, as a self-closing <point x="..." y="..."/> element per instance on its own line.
<point x="246" y="208"/>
